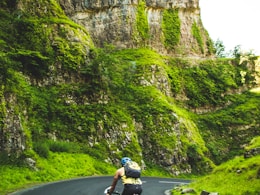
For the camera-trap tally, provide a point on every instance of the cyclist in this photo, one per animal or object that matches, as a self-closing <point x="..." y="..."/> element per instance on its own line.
<point x="132" y="186"/>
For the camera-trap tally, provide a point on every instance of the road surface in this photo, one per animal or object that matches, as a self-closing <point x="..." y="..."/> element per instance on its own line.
<point x="97" y="185"/>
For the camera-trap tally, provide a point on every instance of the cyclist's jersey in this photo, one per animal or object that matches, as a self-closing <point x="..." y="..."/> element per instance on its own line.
<point x="130" y="180"/>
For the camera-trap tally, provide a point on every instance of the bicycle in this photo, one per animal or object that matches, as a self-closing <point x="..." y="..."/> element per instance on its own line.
<point x="115" y="192"/>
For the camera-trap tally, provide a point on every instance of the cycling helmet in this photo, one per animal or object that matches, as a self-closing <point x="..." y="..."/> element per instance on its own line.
<point x="124" y="160"/>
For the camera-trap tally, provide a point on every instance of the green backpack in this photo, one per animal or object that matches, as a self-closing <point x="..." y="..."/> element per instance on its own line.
<point x="132" y="169"/>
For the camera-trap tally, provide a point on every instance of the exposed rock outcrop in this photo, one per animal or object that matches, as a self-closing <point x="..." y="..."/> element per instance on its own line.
<point x="119" y="23"/>
<point x="252" y="152"/>
<point x="12" y="135"/>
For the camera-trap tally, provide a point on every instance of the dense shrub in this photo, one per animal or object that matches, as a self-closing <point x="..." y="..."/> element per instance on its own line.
<point x="41" y="148"/>
<point x="63" y="146"/>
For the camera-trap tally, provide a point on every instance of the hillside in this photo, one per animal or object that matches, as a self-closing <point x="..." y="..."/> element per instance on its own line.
<point x="237" y="176"/>
<point x="67" y="92"/>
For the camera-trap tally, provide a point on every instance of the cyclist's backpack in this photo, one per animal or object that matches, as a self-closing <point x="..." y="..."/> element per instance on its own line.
<point x="132" y="169"/>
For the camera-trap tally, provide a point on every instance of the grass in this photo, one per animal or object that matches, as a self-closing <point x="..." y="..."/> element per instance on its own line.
<point x="60" y="166"/>
<point x="255" y="143"/>
<point x="237" y="176"/>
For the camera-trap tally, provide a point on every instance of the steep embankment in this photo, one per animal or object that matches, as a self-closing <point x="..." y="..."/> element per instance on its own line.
<point x="237" y="176"/>
<point x="57" y="86"/>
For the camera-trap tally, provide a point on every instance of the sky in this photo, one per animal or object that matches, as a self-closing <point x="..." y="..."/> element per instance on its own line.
<point x="234" y="22"/>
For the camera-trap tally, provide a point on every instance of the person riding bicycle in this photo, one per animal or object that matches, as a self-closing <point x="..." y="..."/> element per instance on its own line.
<point x="131" y="185"/>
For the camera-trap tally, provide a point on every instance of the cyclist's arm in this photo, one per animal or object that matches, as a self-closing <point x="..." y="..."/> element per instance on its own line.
<point x="115" y="179"/>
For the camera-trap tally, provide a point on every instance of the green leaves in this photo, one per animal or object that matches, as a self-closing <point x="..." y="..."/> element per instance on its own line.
<point x="196" y="31"/>
<point x="171" y="27"/>
<point x="141" y="22"/>
<point x="204" y="84"/>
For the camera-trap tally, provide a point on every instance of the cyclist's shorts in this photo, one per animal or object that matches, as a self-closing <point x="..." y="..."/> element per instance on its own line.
<point x="130" y="189"/>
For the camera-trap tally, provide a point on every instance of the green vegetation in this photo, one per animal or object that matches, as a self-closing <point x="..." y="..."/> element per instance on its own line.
<point x="142" y="22"/>
<point x="239" y="175"/>
<point x="70" y="119"/>
<point x="171" y="28"/>
<point x="255" y="143"/>
<point x="207" y="83"/>
<point x="60" y="166"/>
<point x="210" y="44"/>
<point x="52" y="104"/>
<point x="57" y="166"/>
<point x="235" y="176"/>
<point x="220" y="49"/>
<point x="220" y="128"/>
<point x="197" y="34"/>
<point x="66" y="96"/>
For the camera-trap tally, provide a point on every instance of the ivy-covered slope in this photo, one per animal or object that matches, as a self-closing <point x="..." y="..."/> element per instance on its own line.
<point x="60" y="93"/>
<point x="239" y="175"/>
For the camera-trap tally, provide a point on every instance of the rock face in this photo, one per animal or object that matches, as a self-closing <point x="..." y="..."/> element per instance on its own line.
<point x="12" y="135"/>
<point x="64" y="100"/>
<point x="123" y="23"/>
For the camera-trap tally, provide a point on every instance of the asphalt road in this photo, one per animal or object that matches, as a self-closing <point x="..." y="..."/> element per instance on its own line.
<point x="97" y="185"/>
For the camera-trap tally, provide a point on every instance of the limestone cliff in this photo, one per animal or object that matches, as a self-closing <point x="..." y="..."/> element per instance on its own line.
<point x="57" y="85"/>
<point x="133" y="23"/>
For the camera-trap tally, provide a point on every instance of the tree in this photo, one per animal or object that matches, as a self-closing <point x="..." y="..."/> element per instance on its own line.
<point x="220" y="49"/>
<point x="237" y="51"/>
